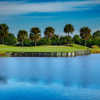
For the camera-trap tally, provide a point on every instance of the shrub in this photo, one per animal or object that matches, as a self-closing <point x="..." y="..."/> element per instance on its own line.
<point x="44" y="41"/>
<point x="10" y="39"/>
<point x="27" y="42"/>
<point x="77" y="39"/>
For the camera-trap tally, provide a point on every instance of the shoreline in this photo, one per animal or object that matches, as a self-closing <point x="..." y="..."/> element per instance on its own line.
<point x="46" y="54"/>
<point x="47" y="51"/>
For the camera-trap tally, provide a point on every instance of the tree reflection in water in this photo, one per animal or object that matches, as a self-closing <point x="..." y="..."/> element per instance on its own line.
<point x="3" y="79"/>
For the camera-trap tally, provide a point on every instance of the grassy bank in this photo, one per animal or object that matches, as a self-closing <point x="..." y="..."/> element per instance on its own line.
<point x="74" y="47"/>
<point x="95" y="50"/>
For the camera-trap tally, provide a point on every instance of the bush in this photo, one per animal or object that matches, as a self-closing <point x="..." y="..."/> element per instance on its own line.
<point x="62" y="41"/>
<point x="96" y="42"/>
<point x="27" y="42"/>
<point x="89" y="42"/>
<point x="96" y="34"/>
<point x="55" y="40"/>
<point x="10" y="39"/>
<point x="77" y="39"/>
<point x="69" y="39"/>
<point x="44" y="41"/>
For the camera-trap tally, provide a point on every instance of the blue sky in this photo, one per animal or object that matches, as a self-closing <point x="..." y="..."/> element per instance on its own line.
<point x="24" y="14"/>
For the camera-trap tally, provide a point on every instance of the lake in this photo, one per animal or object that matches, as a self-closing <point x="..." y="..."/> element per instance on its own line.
<point x="30" y="78"/>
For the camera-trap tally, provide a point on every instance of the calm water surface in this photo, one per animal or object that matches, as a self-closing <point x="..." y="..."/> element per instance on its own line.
<point x="76" y="78"/>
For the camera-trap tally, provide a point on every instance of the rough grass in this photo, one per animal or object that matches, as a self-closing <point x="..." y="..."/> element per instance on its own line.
<point x="95" y="50"/>
<point x="74" y="47"/>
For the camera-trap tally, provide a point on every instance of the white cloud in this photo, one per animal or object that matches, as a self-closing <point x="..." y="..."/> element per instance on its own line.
<point x="13" y="8"/>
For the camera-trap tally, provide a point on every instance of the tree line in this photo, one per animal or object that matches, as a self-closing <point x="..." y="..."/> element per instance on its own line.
<point x="34" y="38"/>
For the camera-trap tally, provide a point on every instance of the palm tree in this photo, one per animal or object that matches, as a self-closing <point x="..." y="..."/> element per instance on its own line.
<point x="68" y="29"/>
<point x="22" y="35"/>
<point x="3" y="32"/>
<point x="85" y="33"/>
<point x="49" y="32"/>
<point x="35" y="35"/>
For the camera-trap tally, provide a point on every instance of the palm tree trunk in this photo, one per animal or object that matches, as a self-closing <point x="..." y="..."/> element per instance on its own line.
<point x="68" y="41"/>
<point x="85" y="43"/>
<point x="22" y="44"/>
<point x="68" y="34"/>
<point x="32" y="42"/>
<point x="3" y="40"/>
<point x="35" y="44"/>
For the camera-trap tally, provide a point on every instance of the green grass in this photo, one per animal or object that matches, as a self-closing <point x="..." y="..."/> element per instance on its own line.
<point x="74" y="47"/>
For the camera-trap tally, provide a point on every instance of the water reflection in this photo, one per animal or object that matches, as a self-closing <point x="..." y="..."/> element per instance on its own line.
<point x="80" y="71"/>
<point x="50" y="78"/>
<point x="3" y="79"/>
<point x="85" y="74"/>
